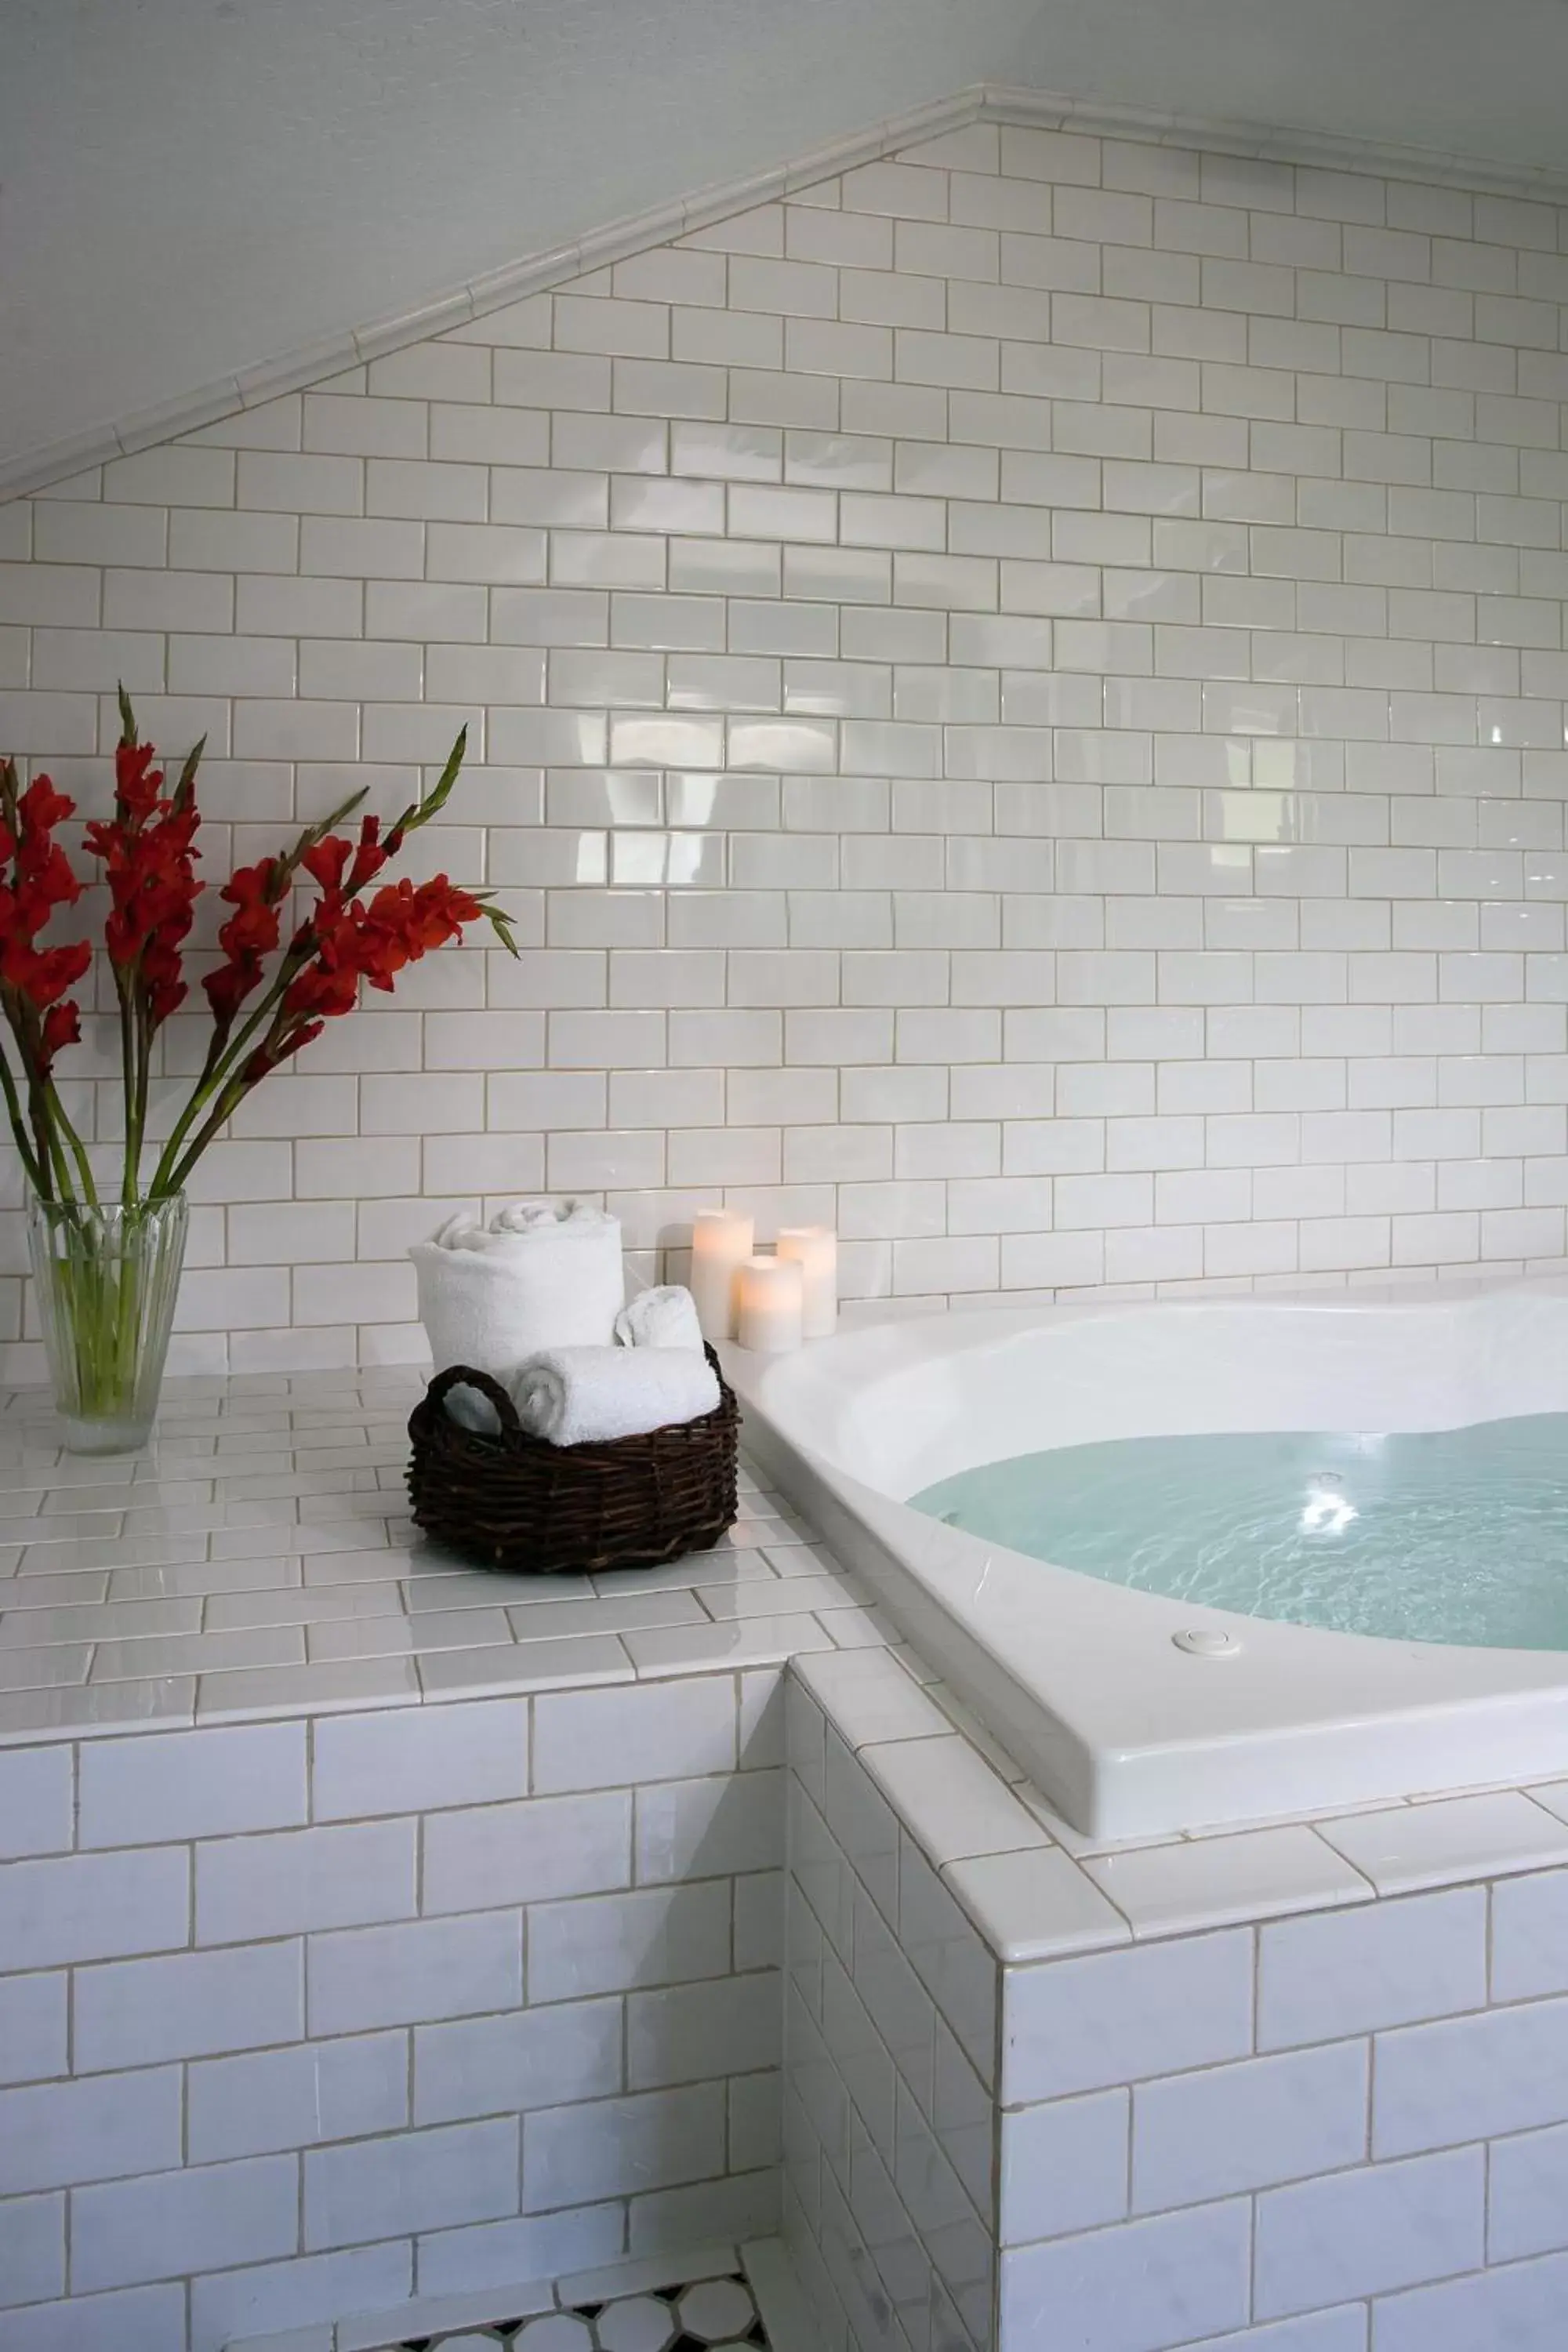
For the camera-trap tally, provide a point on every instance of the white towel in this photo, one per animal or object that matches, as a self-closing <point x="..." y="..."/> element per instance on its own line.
<point x="582" y="1396"/>
<point x="529" y="1216"/>
<point x="665" y="1318"/>
<point x="539" y="1276"/>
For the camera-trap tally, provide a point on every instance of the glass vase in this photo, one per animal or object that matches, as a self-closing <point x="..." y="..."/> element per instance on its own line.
<point x="107" y="1279"/>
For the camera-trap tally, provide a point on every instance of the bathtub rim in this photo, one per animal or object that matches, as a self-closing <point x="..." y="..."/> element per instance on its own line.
<point x="1293" y="1722"/>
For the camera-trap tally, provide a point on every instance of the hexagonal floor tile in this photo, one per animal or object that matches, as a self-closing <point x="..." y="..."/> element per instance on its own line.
<point x="715" y="2315"/>
<point x="718" y="2309"/>
<point x="644" y="2323"/>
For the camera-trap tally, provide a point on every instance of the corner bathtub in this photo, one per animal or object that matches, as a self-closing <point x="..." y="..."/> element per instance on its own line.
<point x="1127" y="1734"/>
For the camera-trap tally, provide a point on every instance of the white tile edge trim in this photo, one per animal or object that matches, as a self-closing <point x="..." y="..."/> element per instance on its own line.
<point x="635" y="233"/>
<point x="616" y="241"/>
<point x="781" y="2299"/>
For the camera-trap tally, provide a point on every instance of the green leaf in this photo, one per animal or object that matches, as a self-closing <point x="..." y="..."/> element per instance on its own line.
<point x="186" y="788"/>
<point x="500" y="923"/>
<point x="430" y="804"/>
<point x="312" y="833"/>
<point x="127" y="716"/>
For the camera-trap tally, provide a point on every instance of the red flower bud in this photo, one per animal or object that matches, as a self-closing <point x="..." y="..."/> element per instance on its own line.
<point x="61" y="1027"/>
<point x="370" y="857"/>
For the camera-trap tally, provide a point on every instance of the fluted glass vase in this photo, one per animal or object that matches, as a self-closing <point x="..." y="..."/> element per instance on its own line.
<point x="107" y="1280"/>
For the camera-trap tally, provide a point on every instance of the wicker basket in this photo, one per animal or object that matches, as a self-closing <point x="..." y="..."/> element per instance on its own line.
<point x="513" y="1502"/>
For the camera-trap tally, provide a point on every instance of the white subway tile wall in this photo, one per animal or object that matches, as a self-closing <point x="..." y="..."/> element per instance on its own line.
<point x="286" y="2114"/>
<point x="1300" y="2135"/>
<point x="1017" y="699"/>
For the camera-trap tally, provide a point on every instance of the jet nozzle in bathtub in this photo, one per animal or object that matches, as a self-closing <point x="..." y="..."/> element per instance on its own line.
<point x="1207" y="1641"/>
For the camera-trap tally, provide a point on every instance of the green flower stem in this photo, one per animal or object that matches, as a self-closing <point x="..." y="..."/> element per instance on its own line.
<point x="103" y="1274"/>
<point x="46" y="1141"/>
<point x="222" y="1065"/>
<point x="128" y="1083"/>
<point x="62" y="1127"/>
<point x="18" y="1127"/>
<point x="227" y="1103"/>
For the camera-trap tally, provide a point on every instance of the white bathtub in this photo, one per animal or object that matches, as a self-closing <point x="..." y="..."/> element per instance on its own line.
<point x="1127" y="1733"/>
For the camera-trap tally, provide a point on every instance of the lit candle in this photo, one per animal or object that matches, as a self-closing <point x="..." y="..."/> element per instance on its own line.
<point x="769" y="1291"/>
<point x="814" y="1248"/>
<point x="720" y="1240"/>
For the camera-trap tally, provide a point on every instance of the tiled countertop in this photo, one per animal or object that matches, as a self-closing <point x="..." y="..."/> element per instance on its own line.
<point x="257" y="1559"/>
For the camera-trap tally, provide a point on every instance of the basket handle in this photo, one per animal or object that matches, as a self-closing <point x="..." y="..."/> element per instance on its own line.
<point x="462" y="1376"/>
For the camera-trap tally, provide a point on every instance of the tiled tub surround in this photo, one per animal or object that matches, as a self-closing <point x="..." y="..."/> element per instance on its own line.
<point x="1299" y="2089"/>
<point x="354" y="1992"/>
<point x="386" y="1976"/>
<point x="1017" y="697"/>
<point x="298" y="2019"/>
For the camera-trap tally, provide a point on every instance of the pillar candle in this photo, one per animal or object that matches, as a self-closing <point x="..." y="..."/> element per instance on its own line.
<point x="769" y="1290"/>
<point x="721" y="1240"/>
<point x="814" y="1248"/>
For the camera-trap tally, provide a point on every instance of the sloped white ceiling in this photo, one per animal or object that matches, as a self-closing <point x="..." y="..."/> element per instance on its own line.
<point x="190" y="187"/>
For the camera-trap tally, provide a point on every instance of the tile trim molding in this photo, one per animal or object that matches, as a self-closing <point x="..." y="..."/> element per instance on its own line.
<point x="637" y="232"/>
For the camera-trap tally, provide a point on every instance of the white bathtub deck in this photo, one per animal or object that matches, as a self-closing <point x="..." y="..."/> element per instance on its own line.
<point x="258" y="1560"/>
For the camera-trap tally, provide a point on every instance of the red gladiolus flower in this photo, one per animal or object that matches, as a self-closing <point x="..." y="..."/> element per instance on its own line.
<point x="341" y="868"/>
<point x="266" y="1058"/>
<point x="355" y="942"/>
<point x="34" y="980"/>
<point x="418" y="919"/>
<point x="162" y="978"/>
<point x="371" y="853"/>
<point x="354" y="935"/>
<point x="43" y="975"/>
<point x="253" y="891"/>
<point x="326" y="862"/>
<point x="44" y="879"/>
<point x="137" y="782"/>
<point x="249" y="935"/>
<point x="149" y="861"/>
<point x="328" y="986"/>
<point x="227" y="990"/>
<point x="41" y="808"/>
<point x="62" y="1026"/>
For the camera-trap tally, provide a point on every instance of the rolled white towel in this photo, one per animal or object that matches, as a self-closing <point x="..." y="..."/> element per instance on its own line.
<point x="528" y="1216"/>
<point x="538" y="1275"/>
<point x="665" y="1318"/>
<point x="521" y="1218"/>
<point x="583" y="1396"/>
